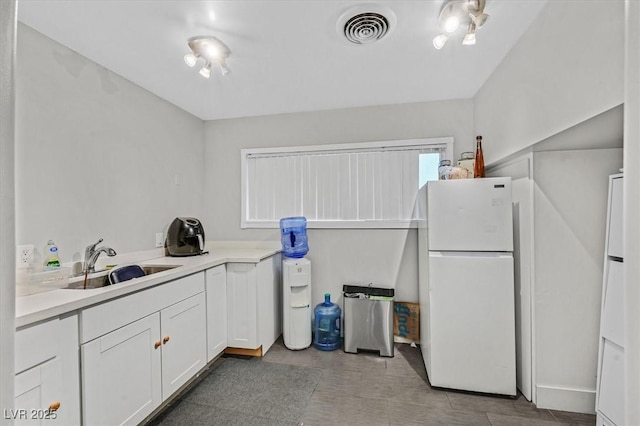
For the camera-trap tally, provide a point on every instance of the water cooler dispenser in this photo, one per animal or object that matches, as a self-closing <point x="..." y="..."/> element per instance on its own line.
<point x="296" y="280"/>
<point x="297" y="303"/>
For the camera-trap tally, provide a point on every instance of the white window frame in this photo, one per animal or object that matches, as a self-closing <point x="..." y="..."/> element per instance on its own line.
<point x="445" y="144"/>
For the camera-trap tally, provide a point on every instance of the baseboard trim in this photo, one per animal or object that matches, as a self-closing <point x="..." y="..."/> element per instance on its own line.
<point x="566" y="399"/>
<point x="244" y="352"/>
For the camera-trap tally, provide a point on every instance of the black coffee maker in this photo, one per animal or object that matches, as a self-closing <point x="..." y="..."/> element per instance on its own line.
<point x="185" y="237"/>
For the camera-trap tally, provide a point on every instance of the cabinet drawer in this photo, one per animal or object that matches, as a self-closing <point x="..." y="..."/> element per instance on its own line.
<point x="613" y="304"/>
<point x="614" y="244"/>
<point x="36" y="344"/>
<point x="101" y="319"/>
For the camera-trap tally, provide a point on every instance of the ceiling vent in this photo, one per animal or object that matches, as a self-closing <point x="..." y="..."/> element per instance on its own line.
<point x="366" y="28"/>
<point x="366" y="24"/>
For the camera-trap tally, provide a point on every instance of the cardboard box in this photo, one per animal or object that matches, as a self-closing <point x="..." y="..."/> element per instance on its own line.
<point x="406" y="322"/>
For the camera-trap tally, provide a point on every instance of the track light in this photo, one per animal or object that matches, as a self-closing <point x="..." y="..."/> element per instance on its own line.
<point x="455" y="13"/>
<point x="212" y="50"/>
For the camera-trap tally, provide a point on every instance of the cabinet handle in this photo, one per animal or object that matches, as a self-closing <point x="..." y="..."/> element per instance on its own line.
<point x="54" y="406"/>
<point x="165" y="340"/>
<point x="157" y="344"/>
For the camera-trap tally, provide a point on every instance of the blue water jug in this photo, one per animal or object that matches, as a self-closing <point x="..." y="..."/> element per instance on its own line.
<point x="326" y="329"/>
<point x="293" y="233"/>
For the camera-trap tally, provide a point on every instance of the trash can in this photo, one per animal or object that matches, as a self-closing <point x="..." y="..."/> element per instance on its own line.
<point x="368" y="319"/>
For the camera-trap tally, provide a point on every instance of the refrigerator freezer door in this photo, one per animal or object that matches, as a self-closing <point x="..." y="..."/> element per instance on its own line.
<point x="471" y="322"/>
<point x="470" y="215"/>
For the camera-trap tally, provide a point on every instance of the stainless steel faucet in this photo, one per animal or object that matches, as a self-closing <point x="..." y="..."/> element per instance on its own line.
<point x="91" y="256"/>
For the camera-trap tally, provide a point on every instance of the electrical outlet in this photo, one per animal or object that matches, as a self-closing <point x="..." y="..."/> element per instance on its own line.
<point x="24" y="256"/>
<point x="159" y="239"/>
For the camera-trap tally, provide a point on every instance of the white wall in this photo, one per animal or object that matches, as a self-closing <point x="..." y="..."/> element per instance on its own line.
<point x="96" y="155"/>
<point x="383" y="257"/>
<point x="566" y="68"/>
<point x="7" y="214"/>
<point x="570" y="205"/>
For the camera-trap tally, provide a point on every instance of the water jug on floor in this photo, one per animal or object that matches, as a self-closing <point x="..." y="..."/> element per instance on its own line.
<point x="327" y="325"/>
<point x="293" y="232"/>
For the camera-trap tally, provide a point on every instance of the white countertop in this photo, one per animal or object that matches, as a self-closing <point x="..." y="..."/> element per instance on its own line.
<point x="42" y="306"/>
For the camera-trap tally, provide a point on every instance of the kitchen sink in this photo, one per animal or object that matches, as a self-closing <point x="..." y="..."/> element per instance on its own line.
<point x="103" y="279"/>
<point x="154" y="269"/>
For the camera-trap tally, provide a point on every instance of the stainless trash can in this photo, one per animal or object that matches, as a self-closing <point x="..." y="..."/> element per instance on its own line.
<point x="368" y="319"/>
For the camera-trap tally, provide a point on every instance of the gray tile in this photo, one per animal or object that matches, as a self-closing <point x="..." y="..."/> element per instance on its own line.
<point x="497" y="405"/>
<point x="328" y="408"/>
<point x="339" y="360"/>
<point x="414" y="390"/>
<point x="506" y="420"/>
<point x="406" y="362"/>
<point x="340" y="382"/>
<point x="574" y="418"/>
<point x="314" y="387"/>
<point x="279" y="353"/>
<point x="406" y="414"/>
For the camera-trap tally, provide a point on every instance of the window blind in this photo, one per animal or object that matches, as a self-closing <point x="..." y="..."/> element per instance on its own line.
<point x="335" y="185"/>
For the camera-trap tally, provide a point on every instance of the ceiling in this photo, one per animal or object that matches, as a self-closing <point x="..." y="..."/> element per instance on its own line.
<point x="287" y="56"/>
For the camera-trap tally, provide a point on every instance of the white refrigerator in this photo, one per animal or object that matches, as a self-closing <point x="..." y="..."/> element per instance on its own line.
<point x="466" y="292"/>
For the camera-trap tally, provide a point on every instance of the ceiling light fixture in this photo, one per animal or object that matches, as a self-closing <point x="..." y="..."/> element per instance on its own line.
<point x="454" y="13"/>
<point x="212" y="50"/>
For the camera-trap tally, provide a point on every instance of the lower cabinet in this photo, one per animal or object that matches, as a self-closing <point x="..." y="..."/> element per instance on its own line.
<point x="121" y="378"/>
<point x="47" y="386"/>
<point x="184" y="342"/>
<point x="137" y="351"/>
<point x="216" y="290"/>
<point x="254" y="304"/>
<point x="127" y="373"/>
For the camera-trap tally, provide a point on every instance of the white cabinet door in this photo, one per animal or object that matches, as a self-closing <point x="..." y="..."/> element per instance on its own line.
<point x="242" y="308"/>
<point x="43" y="353"/>
<point x="269" y="277"/>
<point x="611" y="397"/>
<point x="216" y="290"/>
<point x="36" y="391"/>
<point x="184" y="342"/>
<point x="121" y="374"/>
<point x="612" y="318"/>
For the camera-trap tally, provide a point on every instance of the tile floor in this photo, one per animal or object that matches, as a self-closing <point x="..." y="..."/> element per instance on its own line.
<point x="366" y="389"/>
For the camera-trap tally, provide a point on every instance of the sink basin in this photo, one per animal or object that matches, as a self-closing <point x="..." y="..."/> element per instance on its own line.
<point x="103" y="279"/>
<point x="154" y="269"/>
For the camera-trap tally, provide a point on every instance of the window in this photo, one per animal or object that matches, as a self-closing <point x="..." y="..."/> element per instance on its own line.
<point x="371" y="184"/>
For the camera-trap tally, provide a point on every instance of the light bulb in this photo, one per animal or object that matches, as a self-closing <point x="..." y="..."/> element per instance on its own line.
<point x="469" y="39"/>
<point x="190" y="59"/>
<point x="451" y="24"/>
<point x="439" y="41"/>
<point x="224" y="69"/>
<point x="206" y="70"/>
<point x="213" y="51"/>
